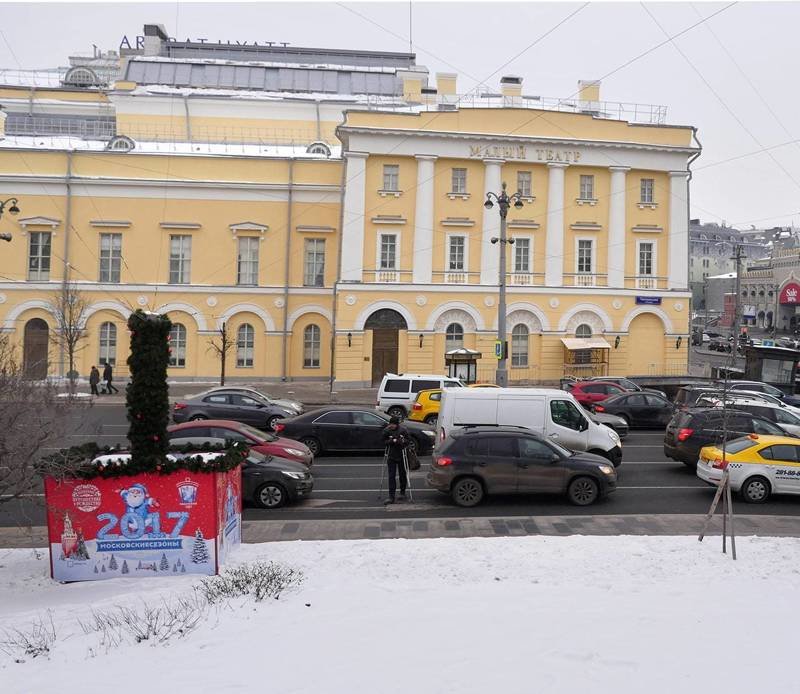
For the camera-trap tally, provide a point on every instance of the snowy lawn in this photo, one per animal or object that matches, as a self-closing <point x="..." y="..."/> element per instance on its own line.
<point x="489" y="616"/>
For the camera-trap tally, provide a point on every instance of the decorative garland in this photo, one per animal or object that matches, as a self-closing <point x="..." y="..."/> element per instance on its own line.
<point x="78" y="461"/>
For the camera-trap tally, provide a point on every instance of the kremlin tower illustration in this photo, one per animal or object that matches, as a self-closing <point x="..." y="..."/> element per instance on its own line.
<point x="72" y="544"/>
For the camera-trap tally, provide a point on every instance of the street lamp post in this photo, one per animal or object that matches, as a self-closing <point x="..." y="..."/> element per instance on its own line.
<point x="504" y="202"/>
<point x="13" y="209"/>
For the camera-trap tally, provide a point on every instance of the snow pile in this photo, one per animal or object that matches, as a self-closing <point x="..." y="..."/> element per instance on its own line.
<point x="506" y="615"/>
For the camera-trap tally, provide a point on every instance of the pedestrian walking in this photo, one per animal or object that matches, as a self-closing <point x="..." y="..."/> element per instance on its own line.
<point x="396" y="438"/>
<point x="108" y="376"/>
<point x="94" y="379"/>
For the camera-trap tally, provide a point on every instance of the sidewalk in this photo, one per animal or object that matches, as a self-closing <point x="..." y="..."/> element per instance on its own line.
<point x="418" y="528"/>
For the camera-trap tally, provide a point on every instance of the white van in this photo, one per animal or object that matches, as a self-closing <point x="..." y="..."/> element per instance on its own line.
<point x="547" y="411"/>
<point x="399" y="391"/>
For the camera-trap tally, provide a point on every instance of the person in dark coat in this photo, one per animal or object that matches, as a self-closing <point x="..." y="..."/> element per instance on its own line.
<point x="94" y="379"/>
<point x="396" y="439"/>
<point x="108" y="376"/>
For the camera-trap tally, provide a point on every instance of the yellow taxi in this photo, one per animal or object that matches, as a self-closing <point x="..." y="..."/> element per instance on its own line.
<point x="482" y="385"/>
<point x="759" y="466"/>
<point x="426" y="407"/>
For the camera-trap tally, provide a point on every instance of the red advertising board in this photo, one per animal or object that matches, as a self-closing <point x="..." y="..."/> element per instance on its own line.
<point x="790" y="295"/>
<point x="142" y="525"/>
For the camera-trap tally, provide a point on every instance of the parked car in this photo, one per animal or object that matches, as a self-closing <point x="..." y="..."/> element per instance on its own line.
<point x="709" y="399"/>
<point x="343" y="428"/>
<point x="397" y="392"/>
<point x="627" y="384"/>
<point x="546" y="411"/>
<point x="270" y="482"/>
<point x="199" y="432"/>
<point x="483" y="385"/>
<point x="476" y="461"/>
<point x="426" y="407"/>
<point x="618" y="424"/>
<point x="641" y="410"/>
<point x="687" y="395"/>
<point x="587" y="393"/>
<point x="224" y="403"/>
<point x="291" y="405"/>
<point x="759" y="466"/>
<point x="692" y="429"/>
<point x="781" y="416"/>
<point x="759" y="387"/>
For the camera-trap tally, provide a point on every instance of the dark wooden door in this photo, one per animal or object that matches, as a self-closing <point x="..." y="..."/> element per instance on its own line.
<point x="384" y="353"/>
<point x="34" y="351"/>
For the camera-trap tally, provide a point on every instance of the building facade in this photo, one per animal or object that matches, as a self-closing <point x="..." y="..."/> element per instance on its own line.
<point x="326" y="208"/>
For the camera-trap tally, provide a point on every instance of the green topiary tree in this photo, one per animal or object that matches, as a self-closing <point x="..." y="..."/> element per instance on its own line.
<point x="147" y="394"/>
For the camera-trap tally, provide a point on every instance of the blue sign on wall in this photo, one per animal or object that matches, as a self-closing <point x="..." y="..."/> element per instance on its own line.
<point x="650" y="300"/>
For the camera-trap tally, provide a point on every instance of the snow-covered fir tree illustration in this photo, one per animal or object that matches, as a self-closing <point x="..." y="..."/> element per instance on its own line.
<point x="199" y="549"/>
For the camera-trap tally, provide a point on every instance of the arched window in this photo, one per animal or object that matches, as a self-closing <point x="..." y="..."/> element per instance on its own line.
<point x="319" y="148"/>
<point x="453" y="337"/>
<point x="519" y="345"/>
<point x="120" y="143"/>
<point x="108" y="344"/>
<point x="245" y="344"/>
<point x="583" y="330"/>
<point x="311" y="342"/>
<point x="81" y="76"/>
<point x="177" y="345"/>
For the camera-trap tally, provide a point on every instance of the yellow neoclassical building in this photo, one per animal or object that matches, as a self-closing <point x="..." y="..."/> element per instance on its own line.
<point x="326" y="208"/>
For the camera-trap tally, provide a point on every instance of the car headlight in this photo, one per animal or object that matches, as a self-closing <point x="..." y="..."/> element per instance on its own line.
<point x="613" y="435"/>
<point x="294" y="475"/>
<point x="294" y="451"/>
<point x="606" y="469"/>
<point x="429" y="433"/>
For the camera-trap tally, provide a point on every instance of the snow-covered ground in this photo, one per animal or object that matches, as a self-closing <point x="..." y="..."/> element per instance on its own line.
<point x="507" y="615"/>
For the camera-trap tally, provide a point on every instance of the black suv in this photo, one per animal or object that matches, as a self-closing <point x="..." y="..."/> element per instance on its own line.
<point x="687" y="395"/>
<point x="475" y="461"/>
<point x="691" y="429"/>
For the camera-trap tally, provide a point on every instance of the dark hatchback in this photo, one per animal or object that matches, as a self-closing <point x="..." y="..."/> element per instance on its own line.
<point x="271" y="482"/>
<point x="475" y="461"/>
<point x="343" y="428"/>
<point x="641" y="410"/>
<point x="690" y="430"/>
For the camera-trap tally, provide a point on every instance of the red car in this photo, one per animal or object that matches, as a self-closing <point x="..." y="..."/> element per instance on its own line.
<point x="589" y="392"/>
<point x="201" y="430"/>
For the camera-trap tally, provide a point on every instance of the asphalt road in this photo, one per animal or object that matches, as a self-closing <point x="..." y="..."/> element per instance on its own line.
<point x="347" y="487"/>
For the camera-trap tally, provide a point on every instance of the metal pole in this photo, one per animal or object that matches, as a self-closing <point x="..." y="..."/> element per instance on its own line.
<point x="501" y="377"/>
<point x="737" y="312"/>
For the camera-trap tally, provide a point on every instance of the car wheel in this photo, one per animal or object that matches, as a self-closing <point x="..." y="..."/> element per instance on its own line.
<point x="756" y="490"/>
<point x="271" y="421"/>
<point x="583" y="491"/>
<point x="396" y="411"/>
<point x="431" y="419"/>
<point x="197" y="417"/>
<point x="467" y="492"/>
<point x="312" y="444"/>
<point x="413" y="447"/>
<point x="271" y="495"/>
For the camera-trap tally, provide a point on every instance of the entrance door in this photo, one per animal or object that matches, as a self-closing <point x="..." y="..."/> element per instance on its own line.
<point x="34" y="352"/>
<point x="384" y="353"/>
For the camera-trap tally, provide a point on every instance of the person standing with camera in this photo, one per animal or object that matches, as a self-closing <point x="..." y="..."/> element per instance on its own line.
<point x="396" y="439"/>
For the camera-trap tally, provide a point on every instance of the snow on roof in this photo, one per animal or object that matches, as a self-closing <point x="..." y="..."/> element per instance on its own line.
<point x="724" y="276"/>
<point x="33" y="78"/>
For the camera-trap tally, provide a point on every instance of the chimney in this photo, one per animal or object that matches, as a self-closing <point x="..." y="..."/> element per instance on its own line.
<point x="428" y="95"/>
<point x="589" y="90"/>
<point x="511" y="85"/>
<point x="446" y="83"/>
<point x="154" y="36"/>
<point x="412" y="85"/>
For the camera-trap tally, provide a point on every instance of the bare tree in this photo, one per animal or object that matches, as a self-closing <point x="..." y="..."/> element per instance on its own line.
<point x="220" y="346"/>
<point x="69" y="309"/>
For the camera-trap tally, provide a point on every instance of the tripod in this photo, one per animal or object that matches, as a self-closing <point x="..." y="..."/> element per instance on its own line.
<point x="405" y="467"/>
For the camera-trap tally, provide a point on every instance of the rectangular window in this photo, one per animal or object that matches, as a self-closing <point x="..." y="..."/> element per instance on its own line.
<point x="522" y="255"/>
<point x="587" y="187"/>
<point x="524" y="185"/>
<point x="39" y="255"/>
<point x="311" y="345"/>
<point x="314" y="272"/>
<point x="388" y="252"/>
<point x="110" y="257"/>
<point x="247" y="261"/>
<point x="455" y="255"/>
<point x="391" y="177"/>
<point x="585" y="255"/>
<point x="648" y="186"/>
<point x="459" y="183"/>
<point x="646" y="257"/>
<point x="180" y="259"/>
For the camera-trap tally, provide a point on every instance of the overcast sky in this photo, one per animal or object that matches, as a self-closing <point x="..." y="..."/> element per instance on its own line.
<point x="741" y="92"/>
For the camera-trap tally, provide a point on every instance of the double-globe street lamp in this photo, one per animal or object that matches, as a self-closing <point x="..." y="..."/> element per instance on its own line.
<point x="504" y="202"/>
<point x="13" y="209"/>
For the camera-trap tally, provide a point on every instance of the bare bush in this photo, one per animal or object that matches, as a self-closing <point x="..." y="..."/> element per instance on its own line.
<point x="258" y="580"/>
<point x="32" y="642"/>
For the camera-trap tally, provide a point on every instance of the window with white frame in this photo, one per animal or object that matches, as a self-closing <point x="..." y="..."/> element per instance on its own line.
<point x="180" y="259"/>
<point x="459" y="181"/>
<point x="245" y="345"/>
<point x="585" y="256"/>
<point x="647" y="190"/>
<point x="646" y="257"/>
<point x="314" y="269"/>
<point x="519" y="345"/>
<point x="524" y="183"/>
<point x="456" y="253"/>
<point x="311" y="343"/>
<point x="177" y="345"/>
<point x="391" y="177"/>
<point x="453" y="337"/>
<point x="108" y="344"/>
<point x="587" y="187"/>
<point x="583" y="330"/>
<point x="39" y="245"/>
<point x="522" y="254"/>
<point x="247" y="260"/>
<point x="110" y="257"/>
<point x="388" y="252"/>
